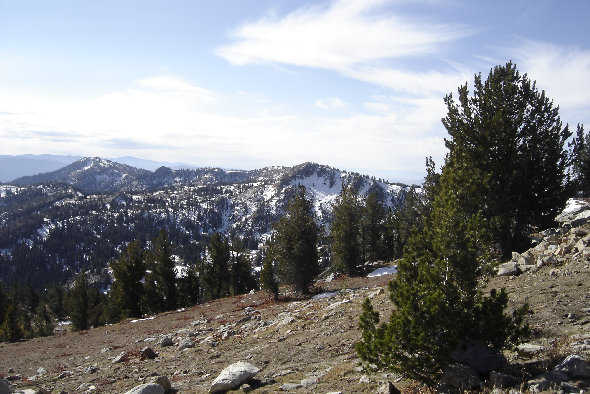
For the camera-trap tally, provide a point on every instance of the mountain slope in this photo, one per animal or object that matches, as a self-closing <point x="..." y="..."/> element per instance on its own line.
<point x="50" y="231"/>
<point x="90" y="174"/>
<point x="12" y="167"/>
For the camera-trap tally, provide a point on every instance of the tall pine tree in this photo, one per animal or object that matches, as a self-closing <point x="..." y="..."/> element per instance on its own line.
<point x="580" y="161"/>
<point x="217" y="275"/>
<point x="511" y="134"/>
<point x="160" y="282"/>
<point x="295" y="243"/>
<point x="127" y="289"/>
<point x="345" y="232"/>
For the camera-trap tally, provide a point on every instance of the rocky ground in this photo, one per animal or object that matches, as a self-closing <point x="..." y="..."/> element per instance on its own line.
<point x="307" y="344"/>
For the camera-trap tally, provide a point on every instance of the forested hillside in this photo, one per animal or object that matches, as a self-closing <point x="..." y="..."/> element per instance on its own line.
<point x="90" y="210"/>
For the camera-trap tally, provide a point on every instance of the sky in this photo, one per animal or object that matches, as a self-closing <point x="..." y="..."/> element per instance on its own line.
<point x="353" y="84"/>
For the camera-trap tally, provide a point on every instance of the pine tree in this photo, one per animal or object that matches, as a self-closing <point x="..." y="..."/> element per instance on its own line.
<point x="4" y="302"/>
<point x="160" y="282"/>
<point x="268" y="279"/>
<point x="189" y="286"/>
<point x="373" y="217"/>
<point x="217" y="274"/>
<point x="437" y="292"/>
<point x="580" y="161"/>
<point x="78" y="304"/>
<point x="512" y="135"/>
<point x="295" y="243"/>
<point x="55" y="301"/>
<point x="345" y="232"/>
<point x="42" y="322"/>
<point x="406" y="220"/>
<point x="242" y="280"/>
<point x="10" y="329"/>
<point x="127" y="289"/>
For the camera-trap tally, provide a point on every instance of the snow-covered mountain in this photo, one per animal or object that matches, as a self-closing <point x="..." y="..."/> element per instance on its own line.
<point x="90" y="209"/>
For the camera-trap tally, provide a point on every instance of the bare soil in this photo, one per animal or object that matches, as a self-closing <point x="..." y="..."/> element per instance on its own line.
<point x="292" y="340"/>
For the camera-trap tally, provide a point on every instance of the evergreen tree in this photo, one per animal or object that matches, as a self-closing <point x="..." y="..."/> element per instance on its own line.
<point x="437" y="292"/>
<point x="160" y="282"/>
<point x="55" y="301"/>
<point x="242" y="280"/>
<point x="10" y="329"/>
<point x="127" y="288"/>
<point x="373" y="216"/>
<point x="580" y="161"/>
<point x="511" y="134"/>
<point x="268" y="279"/>
<point x="406" y="220"/>
<point x="78" y="304"/>
<point x="345" y="232"/>
<point x="217" y="274"/>
<point x="42" y="322"/>
<point x="4" y="302"/>
<point x="295" y="243"/>
<point x="189" y="287"/>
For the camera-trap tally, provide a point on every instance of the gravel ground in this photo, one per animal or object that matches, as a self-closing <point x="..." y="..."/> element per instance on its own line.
<point x="305" y="342"/>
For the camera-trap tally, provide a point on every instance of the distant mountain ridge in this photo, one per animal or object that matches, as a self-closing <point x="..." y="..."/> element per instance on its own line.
<point x="18" y="166"/>
<point x="81" y="216"/>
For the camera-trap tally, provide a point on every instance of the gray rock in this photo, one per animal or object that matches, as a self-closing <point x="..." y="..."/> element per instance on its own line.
<point x="508" y="269"/>
<point x="539" y="385"/>
<point x="387" y="388"/>
<point x="528" y="350"/>
<point x="186" y="344"/>
<point x="147" y="388"/>
<point x="290" y="386"/>
<point x="124" y="356"/>
<point x="479" y="356"/>
<point x="92" y="369"/>
<point x="166" y="341"/>
<point x="501" y="380"/>
<point x="574" y="366"/>
<point x="147" y="353"/>
<point x="162" y="381"/>
<point x="233" y="376"/>
<point x="461" y="376"/>
<point x="4" y="387"/>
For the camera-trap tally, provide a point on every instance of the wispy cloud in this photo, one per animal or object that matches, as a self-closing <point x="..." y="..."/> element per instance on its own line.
<point x="331" y="103"/>
<point x="562" y="71"/>
<point x="176" y="85"/>
<point x="353" y="37"/>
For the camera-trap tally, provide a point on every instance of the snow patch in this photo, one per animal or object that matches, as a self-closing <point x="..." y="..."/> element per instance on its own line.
<point x="327" y="294"/>
<point x="383" y="271"/>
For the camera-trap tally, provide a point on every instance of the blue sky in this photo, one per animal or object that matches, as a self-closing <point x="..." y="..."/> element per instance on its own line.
<point x="354" y="84"/>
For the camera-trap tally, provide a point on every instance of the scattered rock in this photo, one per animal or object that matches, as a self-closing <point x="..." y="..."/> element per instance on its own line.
<point x="233" y="376"/>
<point x="364" y="380"/>
<point x="479" y="356"/>
<point x="166" y="341"/>
<point x="124" y="356"/>
<point x="574" y="366"/>
<point x="508" y="269"/>
<point x="92" y="369"/>
<point x="290" y="386"/>
<point x="162" y="381"/>
<point x="387" y="388"/>
<point x="186" y="344"/>
<point x="147" y="388"/>
<point x="461" y="376"/>
<point x="528" y="350"/>
<point x="4" y="387"/>
<point x="501" y="380"/>
<point x="147" y="353"/>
